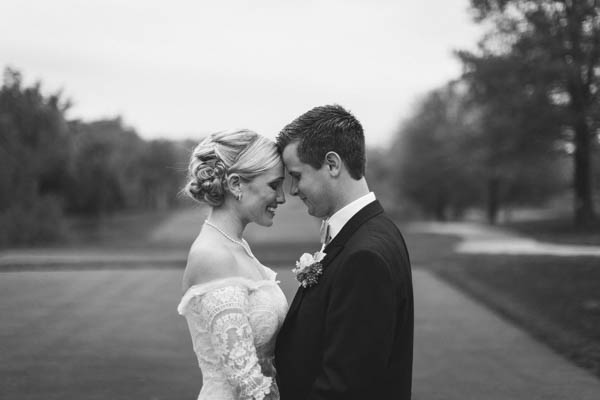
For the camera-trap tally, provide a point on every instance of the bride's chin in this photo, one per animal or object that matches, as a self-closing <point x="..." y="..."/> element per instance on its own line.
<point x="269" y="221"/>
<point x="266" y="222"/>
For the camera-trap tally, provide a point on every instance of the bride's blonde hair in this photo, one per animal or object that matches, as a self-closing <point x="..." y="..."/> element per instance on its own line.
<point x="243" y="152"/>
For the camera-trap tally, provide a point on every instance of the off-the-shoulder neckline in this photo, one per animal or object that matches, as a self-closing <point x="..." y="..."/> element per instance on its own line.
<point x="216" y="283"/>
<point x="203" y="288"/>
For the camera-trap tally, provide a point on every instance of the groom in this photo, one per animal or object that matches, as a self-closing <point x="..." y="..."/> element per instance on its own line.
<point x="350" y="335"/>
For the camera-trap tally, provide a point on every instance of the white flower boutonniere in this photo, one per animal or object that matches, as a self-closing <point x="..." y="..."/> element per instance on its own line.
<point x="309" y="268"/>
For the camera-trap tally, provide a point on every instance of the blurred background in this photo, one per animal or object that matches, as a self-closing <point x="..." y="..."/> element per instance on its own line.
<point x="482" y="126"/>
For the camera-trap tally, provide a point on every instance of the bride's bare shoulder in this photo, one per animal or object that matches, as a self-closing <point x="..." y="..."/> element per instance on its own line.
<point x="208" y="261"/>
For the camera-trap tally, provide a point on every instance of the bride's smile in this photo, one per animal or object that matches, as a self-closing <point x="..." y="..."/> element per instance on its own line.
<point x="262" y="195"/>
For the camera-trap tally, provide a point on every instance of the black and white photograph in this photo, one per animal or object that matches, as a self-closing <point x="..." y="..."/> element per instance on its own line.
<point x="300" y="200"/>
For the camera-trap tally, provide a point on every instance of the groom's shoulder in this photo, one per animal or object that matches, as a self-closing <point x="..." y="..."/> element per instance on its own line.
<point x="378" y="227"/>
<point x="379" y="235"/>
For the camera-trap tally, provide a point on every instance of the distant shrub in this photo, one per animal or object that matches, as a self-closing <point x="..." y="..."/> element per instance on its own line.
<point x="39" y="222"/>
<point x="51" y="167"/>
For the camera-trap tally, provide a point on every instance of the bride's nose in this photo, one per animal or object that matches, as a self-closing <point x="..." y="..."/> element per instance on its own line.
<point x="280" y="195"/>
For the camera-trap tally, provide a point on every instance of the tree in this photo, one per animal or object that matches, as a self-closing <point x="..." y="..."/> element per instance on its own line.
<point x="434" y="170"/>
<point x="471" y="143"/>
<point x="114" y="169"/>
<point x="161" y="179"/>
<point x="559" y="40"/>
<point x="50" y="166"/>
<point x="34" y="153"/>
<point x="517" y="129"/>
<point x="105" y="167"/>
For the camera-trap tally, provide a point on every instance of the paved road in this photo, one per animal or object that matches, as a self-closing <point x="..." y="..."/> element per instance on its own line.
<point x="464" y="351"/>
<point x="485" y="239"/>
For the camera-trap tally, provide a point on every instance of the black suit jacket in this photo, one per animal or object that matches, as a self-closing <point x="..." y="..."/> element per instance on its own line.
<point x="351" y="335"/>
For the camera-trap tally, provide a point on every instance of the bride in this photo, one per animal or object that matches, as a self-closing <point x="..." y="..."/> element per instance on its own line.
<point x="232" y="303"/>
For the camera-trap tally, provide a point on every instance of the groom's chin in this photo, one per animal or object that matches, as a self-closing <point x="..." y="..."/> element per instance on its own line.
<point x="312" y="212"/>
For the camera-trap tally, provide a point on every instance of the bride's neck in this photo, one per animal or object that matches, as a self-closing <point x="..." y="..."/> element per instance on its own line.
<point x="227" y="221"/>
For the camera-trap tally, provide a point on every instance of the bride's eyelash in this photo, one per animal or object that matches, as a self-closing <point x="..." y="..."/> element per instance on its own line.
<point x="275" y="184"/>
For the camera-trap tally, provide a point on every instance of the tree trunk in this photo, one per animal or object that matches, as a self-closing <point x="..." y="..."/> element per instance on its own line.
<point x="584" y="205"/>
<point x="579" y="89"/>
<point x="440" y="207"/>
<point x="493" y="201"/>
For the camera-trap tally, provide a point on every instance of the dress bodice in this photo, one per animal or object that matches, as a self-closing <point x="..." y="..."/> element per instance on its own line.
<point x="233" y="323"/>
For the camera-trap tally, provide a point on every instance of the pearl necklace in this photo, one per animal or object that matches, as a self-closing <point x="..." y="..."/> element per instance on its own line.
<point x="244" y="244"/>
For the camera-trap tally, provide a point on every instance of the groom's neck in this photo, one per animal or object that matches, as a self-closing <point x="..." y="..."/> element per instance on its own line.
<point x="350" y="191"/>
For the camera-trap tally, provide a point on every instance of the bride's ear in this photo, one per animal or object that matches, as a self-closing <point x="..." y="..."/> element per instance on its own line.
<point x="234" y="185"/>
<point x="333" y="161"/>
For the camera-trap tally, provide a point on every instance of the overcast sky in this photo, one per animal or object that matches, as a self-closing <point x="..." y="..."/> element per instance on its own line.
<point x="180" y="69"/>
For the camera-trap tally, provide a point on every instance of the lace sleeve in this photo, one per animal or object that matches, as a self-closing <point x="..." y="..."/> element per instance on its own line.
<point x="224" y="311"/>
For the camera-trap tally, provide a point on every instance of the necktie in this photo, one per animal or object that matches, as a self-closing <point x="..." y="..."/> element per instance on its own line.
<point x="325" y="236"/>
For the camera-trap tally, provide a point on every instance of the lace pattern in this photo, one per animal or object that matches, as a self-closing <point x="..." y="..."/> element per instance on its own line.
<point x="224" y="310"/>
<point x="233" y="325"/>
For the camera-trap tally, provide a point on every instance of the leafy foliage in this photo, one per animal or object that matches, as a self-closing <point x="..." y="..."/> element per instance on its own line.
<point x="459" y="151"/>
<point x="527" y="100"/>
<point x="432" y="160"/>
<point x="50" y="166"/>
<point x="551" y="49"/>
<point x="33" y="161"/>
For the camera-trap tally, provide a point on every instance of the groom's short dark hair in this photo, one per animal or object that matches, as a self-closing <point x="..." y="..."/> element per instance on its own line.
<point x="324" y="129"/>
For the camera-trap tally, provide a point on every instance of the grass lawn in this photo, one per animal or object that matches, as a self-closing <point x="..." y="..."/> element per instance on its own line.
<point x="91" y="335"/>
<point x="94" y="335"/>
<point x="428" y="249"/>
<point x="121" y="230"/>
<point x="557" y="299"/>
<point x="559" y="230"/>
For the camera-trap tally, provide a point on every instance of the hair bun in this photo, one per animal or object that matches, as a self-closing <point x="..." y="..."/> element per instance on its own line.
<point x="242" y="152"/>
<point x="207" y="178"/>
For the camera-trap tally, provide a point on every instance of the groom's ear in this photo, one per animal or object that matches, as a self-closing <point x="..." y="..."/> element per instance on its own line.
<point x="333" y="161"/>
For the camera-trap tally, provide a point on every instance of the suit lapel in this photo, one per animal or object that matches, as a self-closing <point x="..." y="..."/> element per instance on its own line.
<point x="334" y="248"/>
<point x="331" y="252"/>
<point x="366" y="213"/>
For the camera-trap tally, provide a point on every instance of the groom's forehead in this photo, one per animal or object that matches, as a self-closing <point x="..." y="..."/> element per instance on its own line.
<point x="294" y="164"/>
<point x="290" y="154"/>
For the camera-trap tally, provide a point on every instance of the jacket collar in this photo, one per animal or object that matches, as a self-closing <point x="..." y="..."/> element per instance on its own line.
<point x="366" y="213"/>
<point x="335" y="247"/>
<point x="337" y="221"/>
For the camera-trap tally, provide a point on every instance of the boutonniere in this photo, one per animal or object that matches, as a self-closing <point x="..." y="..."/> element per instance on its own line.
<point x="309" y="268"/>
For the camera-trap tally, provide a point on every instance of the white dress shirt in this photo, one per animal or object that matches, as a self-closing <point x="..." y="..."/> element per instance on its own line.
<point x="342" y="216"/>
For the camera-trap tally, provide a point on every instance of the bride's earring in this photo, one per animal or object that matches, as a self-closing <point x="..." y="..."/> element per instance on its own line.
<point x="238" y="196"/>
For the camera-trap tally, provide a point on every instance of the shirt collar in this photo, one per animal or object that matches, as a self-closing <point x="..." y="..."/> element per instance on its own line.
<point x="343" y="215"/>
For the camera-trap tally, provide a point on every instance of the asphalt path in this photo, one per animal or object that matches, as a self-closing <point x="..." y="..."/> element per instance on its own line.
<point x="479" y="238"/>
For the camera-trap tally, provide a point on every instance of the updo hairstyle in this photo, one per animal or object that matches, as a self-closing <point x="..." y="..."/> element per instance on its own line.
<point x="243" y="152"/>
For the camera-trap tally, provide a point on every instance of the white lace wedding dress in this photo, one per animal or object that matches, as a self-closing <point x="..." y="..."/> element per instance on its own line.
<point x="233" y="323"/>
